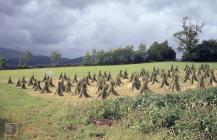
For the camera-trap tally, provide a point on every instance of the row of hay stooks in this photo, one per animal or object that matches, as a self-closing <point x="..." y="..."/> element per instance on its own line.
<point x="106" y="84"/>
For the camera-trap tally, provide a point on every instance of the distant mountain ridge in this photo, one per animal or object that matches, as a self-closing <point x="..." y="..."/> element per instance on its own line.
<point x="9" y="53"/>
<point x="12" y="59"/>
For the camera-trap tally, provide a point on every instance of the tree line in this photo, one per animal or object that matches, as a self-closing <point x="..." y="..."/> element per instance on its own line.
<point x="188" y="45"/>
<point x="156" y="52"/>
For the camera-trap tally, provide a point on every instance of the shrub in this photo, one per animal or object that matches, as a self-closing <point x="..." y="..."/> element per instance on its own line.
<point x="190" y="115"/>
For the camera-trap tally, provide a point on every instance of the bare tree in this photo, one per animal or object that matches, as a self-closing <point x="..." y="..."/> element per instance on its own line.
<point x="188" y="37"/>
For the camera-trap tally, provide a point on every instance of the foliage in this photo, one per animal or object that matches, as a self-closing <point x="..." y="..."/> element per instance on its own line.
<point x="140" y="54"/>
<point x="86" y="59"/>
<point x="2" y="62"/>
<point x="25" y="58"/>
<point x="188" y="37"/>
<point x="191" y="115"/>
<point x="55" y="57"/>
<point x="128" y="55"/>
<point x="161" y="52"/>
<point x="205" y="51"/>
<point x="188" y="43"/>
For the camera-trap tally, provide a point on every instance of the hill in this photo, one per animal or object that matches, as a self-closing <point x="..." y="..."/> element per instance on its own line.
<point x="12" y="59"/>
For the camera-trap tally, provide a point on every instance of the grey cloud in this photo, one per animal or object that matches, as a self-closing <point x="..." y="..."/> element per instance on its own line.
<point x="10" y="7"/>
<point x="46" y="38"/>
<point x="76" y="3"/>
<point x="75" y="26"/>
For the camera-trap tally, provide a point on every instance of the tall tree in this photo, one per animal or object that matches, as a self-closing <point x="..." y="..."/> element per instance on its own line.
<point x="26" y="58"/>
<point x="100" y="57"/>
<point x="86" y="60"/>
<point x="140" y="54"/>
<point x="93" y="56"/>
<point x="142" y="47"/>
<point x="188" y="36"/>
<point x="2" y="62"/>
<point x="55" y="57"/>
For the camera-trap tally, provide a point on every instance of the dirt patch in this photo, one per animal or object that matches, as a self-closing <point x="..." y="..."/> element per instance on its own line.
<point x="103" y="122"/>
<point x="71" y="127"/>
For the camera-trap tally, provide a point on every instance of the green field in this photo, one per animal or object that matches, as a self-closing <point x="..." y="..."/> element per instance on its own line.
<point x="81" y="71"/>
<point x="42" y="118"/>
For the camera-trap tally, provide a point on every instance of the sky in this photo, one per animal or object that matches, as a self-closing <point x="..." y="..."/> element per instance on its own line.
<point x="73" y="27"/>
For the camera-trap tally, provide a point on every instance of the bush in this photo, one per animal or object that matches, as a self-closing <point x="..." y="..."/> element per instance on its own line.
<point x="190" y="115"/>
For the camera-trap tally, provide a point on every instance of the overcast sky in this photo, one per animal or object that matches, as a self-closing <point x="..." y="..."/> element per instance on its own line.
<point x="75" y="26"/>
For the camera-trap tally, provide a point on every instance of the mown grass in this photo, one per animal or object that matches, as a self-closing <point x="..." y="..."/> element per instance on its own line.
<point x="44" y="118"/>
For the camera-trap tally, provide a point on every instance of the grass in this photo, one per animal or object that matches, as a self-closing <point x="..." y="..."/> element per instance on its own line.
<point x="82" y="70"/>
<point x="44" y="118"/>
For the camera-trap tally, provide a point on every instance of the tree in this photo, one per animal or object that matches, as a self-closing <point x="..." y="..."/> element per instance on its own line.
<point x="188" y="37"/>
<point x="2" y="62"/>
<point x="25" y="58"/>
<point x="123" y="55"/>
<point x="128" y="54"/>
<point x="142" y="47"/>
<point x="99" y="57"/>
<point x="205" y="51"/>
<point x="161" y="52"/>
<point x="55" y="57"/>
<point x="93" y="56"/>
<point x="86" y="60"/>
<point x="140" y="54"/>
